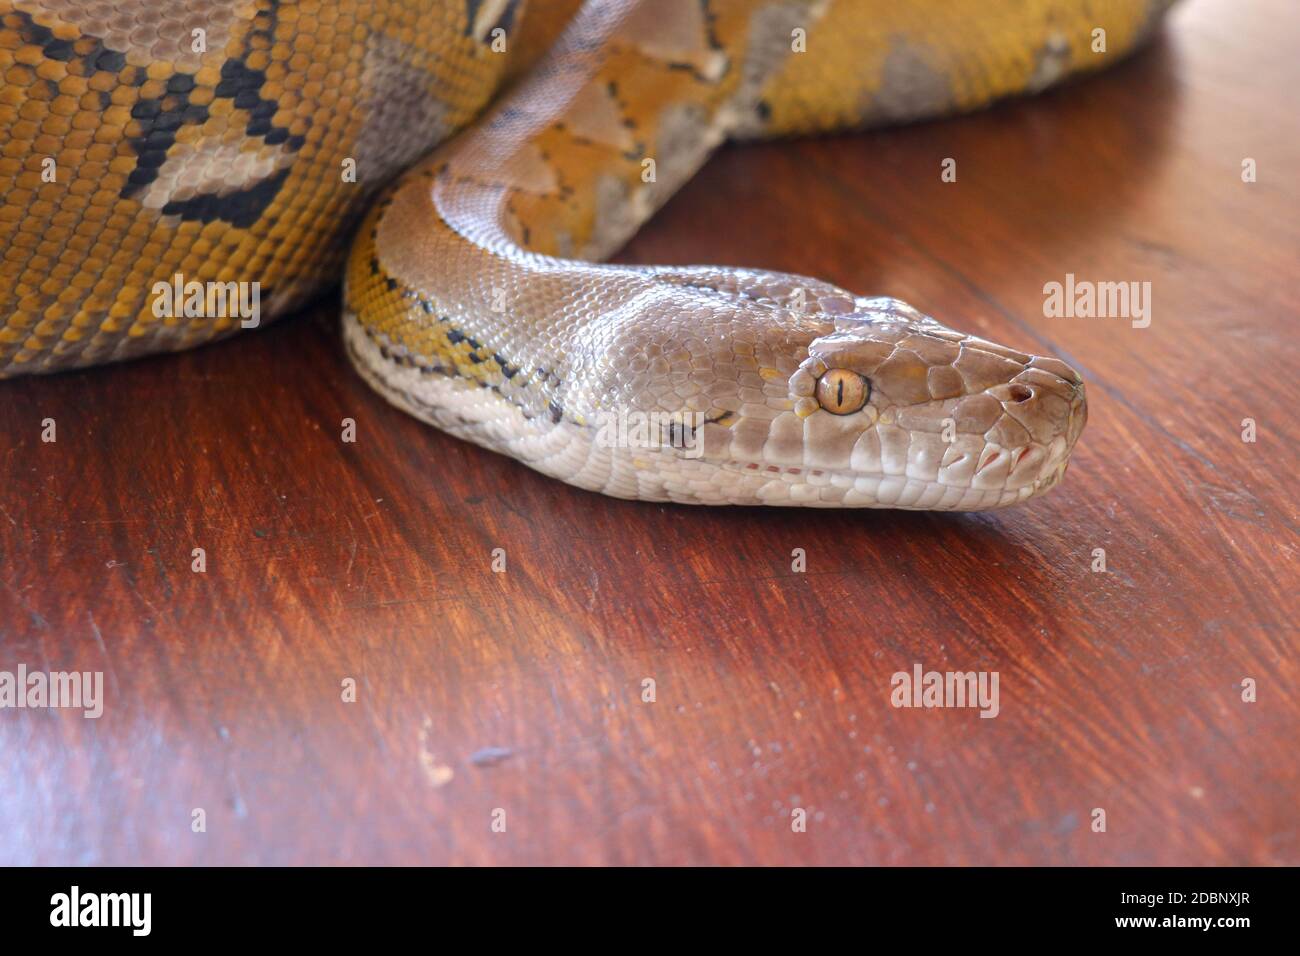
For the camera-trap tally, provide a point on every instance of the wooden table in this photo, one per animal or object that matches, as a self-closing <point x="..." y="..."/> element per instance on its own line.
<point x="478" y="692"/>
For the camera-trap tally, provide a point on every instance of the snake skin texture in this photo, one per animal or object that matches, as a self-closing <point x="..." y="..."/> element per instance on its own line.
<point x="210" y="141"/>
<point x="220" y="165"/>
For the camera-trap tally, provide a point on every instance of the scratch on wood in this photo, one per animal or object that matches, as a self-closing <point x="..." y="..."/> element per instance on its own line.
<point x="108" y="661"/>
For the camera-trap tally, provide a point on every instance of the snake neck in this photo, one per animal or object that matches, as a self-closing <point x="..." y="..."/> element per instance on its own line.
<point x="481" y="264"/>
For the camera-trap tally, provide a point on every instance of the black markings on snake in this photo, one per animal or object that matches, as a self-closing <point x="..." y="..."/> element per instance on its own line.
<point x="160" y="118"/>
<point x="454" y="337"/>
<point x="96" y="57"/>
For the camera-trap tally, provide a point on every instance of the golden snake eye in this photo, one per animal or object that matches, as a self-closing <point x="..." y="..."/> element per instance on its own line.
<point x="842" y="392"/>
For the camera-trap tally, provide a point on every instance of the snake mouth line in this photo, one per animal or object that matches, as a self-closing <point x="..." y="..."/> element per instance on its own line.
<point x="826" y="476"/>
<point x="846" y="489"/>
<point x="902" y="491"/>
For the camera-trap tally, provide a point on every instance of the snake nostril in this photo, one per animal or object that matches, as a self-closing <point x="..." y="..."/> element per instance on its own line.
<point x="1021" y="393"/>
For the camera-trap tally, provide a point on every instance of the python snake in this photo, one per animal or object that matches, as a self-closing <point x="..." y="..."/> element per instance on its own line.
<point x="241" y="141"/>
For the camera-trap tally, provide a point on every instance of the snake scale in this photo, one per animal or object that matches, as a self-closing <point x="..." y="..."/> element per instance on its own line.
<point x="482" y="157"/>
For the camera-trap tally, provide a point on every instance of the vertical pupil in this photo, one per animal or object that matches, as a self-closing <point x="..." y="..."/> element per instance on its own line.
<point x="842" y="392"/>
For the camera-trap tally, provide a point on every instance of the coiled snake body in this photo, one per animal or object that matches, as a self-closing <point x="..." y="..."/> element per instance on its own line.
<point x="146" y="141"/>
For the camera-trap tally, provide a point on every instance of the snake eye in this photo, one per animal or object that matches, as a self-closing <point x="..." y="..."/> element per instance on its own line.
<point x="842" y="392"/>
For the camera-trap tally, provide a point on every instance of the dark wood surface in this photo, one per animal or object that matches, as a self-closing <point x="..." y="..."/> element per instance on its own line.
<point x="523" y="690"/>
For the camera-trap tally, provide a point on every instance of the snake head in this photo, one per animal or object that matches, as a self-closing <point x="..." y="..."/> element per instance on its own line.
<point x="869" y="403"/>
<point x="927" y="417"/>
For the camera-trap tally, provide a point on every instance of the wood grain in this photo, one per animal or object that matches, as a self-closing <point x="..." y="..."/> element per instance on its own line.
<point x="522" y="690"/>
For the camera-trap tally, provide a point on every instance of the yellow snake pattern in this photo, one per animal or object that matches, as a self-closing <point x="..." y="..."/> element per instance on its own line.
<point x="144" y="139"/>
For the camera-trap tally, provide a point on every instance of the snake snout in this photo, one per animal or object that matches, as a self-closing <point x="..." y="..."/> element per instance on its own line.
<point x="1044" y="410"/>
